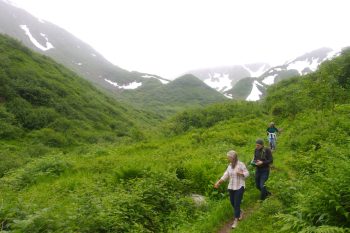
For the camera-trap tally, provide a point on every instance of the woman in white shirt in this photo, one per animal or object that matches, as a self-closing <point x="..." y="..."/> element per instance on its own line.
<point x="236" y="172"/>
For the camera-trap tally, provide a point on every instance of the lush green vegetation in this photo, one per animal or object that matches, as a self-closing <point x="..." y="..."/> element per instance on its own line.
<point x="242" y="89"/>
<point x="134" y="185"/>
<point x="44" y="105"/>
<point x="183" y="93"/>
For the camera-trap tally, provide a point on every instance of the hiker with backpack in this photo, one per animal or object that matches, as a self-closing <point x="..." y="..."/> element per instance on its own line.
<point x="236" y="173"/>
<point x="271" y="132"/>
<point x="262" y="160"/>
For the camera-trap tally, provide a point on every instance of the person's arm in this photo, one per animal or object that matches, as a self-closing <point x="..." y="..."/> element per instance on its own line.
<point x="244" y="171"/>
<point x="269" y="158"/>
<point x="257" y="159"/>
<point x="221" y="180"/>
<point x="218" y="183"/>
<point x="256" y="156"/>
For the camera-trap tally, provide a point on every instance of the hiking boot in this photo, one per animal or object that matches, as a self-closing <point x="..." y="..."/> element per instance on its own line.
<point x="241" y="216"/>
<point x="235" y="222"/>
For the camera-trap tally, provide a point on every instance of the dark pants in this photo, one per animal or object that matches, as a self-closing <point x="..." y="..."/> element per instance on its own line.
<point x="236" y="197"/>
<point x="261" y="176"/>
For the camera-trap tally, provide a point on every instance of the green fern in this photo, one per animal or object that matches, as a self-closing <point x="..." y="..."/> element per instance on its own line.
<point x="324" y="229"/>
<point x="291" y="223"/>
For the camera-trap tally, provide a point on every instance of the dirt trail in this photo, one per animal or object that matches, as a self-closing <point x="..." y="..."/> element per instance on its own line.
<point x="226" y="228"/>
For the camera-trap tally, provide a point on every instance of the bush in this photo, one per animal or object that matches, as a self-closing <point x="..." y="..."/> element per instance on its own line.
<point x="9" y="131"/>
<point x="50" y="137"/>
<point x="47" y="167"/>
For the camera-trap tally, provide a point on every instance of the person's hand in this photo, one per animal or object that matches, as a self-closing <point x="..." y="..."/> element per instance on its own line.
<point x="240" y="172"/>
<point x="259" y="162"/>
<point x="216" y="185"/>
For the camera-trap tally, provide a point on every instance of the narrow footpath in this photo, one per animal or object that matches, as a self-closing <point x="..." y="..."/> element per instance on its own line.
<point x="226" y="228"/>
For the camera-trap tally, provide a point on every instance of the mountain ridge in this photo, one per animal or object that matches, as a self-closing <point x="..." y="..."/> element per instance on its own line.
<point x="39" y="95"/>
<point x="64" y="47"/>
<point x="53" y="41"/>
<point x="179" y="94"/>
<point x="254" y="88"/>
<point x="231" y="81"/>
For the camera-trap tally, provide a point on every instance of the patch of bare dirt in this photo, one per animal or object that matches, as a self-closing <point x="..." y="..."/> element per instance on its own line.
<point x="226" y="228"/>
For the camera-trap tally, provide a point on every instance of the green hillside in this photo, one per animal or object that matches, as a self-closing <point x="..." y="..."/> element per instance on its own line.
<point x="150" y="185"/>
<point x="43" y="104"/>
<point x="182" y="93"/>
<point x="242" y="89"/>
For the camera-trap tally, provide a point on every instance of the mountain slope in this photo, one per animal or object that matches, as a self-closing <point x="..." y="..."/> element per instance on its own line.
<point x="68" y="50"/>
<point x="254" y="88"/>
<point x="184" y="92"/>
<point x="323" y="89"/>
<point x="51" y="40"/>
<point x="39" y="96"/>
<point x="305" y="64"/>
<point x="224" y="78"/>
<point x="249" y="82"/>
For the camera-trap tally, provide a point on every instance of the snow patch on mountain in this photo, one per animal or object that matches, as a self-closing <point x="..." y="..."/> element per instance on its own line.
<point x="34" y="41"/>
<point x="333" y="54"/>
<point x="300" y="66"/>
<point x="132" y="85"/>
<point x="152" y="76"/>
<point x="255" y="93"/>
<point x="257" y="73"/>
<point x="220" y="82"/>
<point x="310" y="62"/>
<point x="269" y="80"/>
<point x="229" y="96"/>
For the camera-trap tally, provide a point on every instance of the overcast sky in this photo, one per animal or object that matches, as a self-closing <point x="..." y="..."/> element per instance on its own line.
<point x="170" y="37"/>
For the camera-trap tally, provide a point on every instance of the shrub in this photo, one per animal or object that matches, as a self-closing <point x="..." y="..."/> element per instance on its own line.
<point x="47" y="167"/>
<point x="50" y="137"/>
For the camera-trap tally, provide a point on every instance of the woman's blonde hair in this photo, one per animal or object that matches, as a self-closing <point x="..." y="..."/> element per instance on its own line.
<point x="233" y="154"/>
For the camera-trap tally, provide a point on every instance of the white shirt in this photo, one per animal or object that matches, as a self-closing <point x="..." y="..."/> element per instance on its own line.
<point x="236" y="181"/>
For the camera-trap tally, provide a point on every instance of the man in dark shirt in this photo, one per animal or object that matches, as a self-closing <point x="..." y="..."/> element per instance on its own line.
<point x="262" y="160"/>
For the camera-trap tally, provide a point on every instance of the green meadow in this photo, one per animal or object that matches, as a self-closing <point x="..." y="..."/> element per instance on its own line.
<point x="73" y="159"/>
